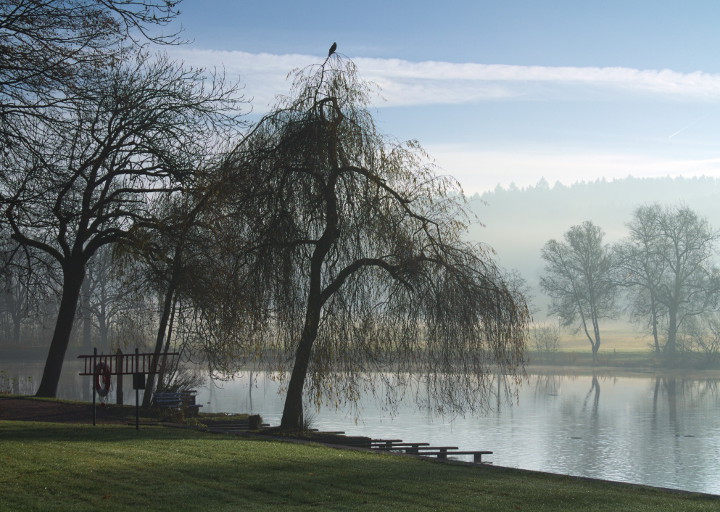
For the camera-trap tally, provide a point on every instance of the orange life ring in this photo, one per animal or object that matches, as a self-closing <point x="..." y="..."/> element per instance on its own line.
<point x="102" y="371"/>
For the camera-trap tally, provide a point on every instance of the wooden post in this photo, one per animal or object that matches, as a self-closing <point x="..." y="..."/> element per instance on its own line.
<point x="94" y="364"/>
<point x="120" y="373"/>
<point x="137" y="391"/>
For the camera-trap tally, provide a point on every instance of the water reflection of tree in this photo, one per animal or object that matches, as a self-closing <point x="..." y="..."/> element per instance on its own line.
<point x="505" y="392"/>
<point x="668" y="387"/>
<point x="690" y="393"/>
<point x="594" y="387"/>
<point x="695" y="391"/>
<point x="547" y="385"/>
<point x="679" y="421"/>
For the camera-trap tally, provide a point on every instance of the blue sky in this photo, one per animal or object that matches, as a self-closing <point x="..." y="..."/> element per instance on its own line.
<point x="500" y="92"/>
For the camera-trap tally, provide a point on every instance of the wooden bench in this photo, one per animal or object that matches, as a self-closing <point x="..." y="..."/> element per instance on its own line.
<point x="425" y="450"/>
<point x="406" y="447"/>
<point x="414" y="448"/>
<point x="180" y="400"/>
<point x="477" y="454"/>
<point x="168" y="400"/>
<point x="431" y="450"/>
<point x="443" y="454"/>
<point x="385" y="443"/>
<point x="188" y="401"/>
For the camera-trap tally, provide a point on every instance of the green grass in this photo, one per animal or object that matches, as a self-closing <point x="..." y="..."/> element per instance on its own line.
<point x="53" y="467"/>
<point x="628" y="360"/>
<point x="639" y="359"/>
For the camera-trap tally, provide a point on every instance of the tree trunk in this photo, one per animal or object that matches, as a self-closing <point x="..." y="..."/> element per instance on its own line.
<point x="15" y="309"/>
<point x="164" y="317"/>
<point x="103" y="332"/>
<point x="73" y="275"/>
<point x="671" y="345"/>
<point x="292" y="417"/>
<point x="656" y="339"/>
<point x="17" y="323"/>
<point x="596" y="332"/>
<point x="166" y="348"/>
<point x="593" y="345"/>
<point x="87" y="317"/>
<point x="673" y="310"/>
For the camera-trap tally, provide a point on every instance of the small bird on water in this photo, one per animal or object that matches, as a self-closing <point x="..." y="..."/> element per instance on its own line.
<point x="332" y="49"/>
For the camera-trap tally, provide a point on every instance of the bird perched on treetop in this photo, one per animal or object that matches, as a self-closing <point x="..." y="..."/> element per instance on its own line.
<point x="332" y="49"/>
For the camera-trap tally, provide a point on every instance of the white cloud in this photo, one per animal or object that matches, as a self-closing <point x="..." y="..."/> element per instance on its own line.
<point x="423" y="83"/>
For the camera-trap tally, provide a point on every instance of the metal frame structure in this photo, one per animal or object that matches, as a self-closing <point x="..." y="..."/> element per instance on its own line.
<point x="138" y="365"/>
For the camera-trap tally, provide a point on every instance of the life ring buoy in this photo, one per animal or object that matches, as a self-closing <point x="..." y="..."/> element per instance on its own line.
<point x="102" y="371"/>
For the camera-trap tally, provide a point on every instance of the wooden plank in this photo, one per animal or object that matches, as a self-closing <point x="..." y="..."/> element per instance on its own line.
<point x="169" y="400"/>
<point x="477" y="454"/>
<point x="401" y="446"/>
<point x="384" y="443"/>
<point x="440" y="452"/>
<point x="437" y="448"/>
<point x="122" y="364"/>
<point x="412" y="445"/>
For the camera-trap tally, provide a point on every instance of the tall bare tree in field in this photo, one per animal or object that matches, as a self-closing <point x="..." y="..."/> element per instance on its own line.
<point x="84" y="180"/>
<point x="579" y="280"/>
<point x="641" y="267"/>
<point x="354" y="247"/>
<point x="670" y="259"/>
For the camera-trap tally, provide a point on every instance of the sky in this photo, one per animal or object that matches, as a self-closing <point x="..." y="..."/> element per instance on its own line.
<point x="499" y="92"/>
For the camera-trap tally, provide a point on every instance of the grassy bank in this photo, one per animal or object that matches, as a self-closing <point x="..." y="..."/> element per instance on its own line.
<point x="641" y="360"/>
<point x="52" y="467"/>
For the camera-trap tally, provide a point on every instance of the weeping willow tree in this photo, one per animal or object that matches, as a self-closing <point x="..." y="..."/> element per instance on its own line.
<point x="353" y="248"/>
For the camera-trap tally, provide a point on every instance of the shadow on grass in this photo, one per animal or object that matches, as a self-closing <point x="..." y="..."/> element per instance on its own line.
<point x="33" y="431"/>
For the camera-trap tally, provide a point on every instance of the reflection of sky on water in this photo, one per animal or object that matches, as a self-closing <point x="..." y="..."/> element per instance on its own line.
<point x="651" y="430"/>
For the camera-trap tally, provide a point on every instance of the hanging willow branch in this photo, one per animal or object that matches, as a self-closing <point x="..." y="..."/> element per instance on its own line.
<point x="355" y="247"/>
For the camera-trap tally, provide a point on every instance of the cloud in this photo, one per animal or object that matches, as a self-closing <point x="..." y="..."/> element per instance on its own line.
<point x="405" y="83"/>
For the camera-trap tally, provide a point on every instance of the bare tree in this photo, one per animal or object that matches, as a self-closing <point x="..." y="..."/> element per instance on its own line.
<point x="85" y="180"/>
<point x="114" y="291"/>
<point x="169" y="254"/>
<point x="640" y="268"/>
<point x="668" y="261"/>
<point x="354" y="248"/>
<point x="546" y="338"/>
<point x="578" y="278"/>
<point x="26" y="281"/>
<point x="701" y="334"/>
<point x="45" y="45"/>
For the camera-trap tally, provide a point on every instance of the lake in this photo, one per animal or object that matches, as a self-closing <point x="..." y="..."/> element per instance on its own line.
<point x="659" y="431"/>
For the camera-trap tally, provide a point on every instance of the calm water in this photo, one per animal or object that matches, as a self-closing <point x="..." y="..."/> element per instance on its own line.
<point x="655" y="431"/>
<point x="648" y="430"/>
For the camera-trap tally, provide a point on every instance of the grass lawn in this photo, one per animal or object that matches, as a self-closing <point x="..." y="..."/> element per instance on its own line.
<point x="53" y="467"/>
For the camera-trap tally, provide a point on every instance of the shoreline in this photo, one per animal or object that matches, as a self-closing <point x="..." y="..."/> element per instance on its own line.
<point x="623" y="371"/>
<point x="55" y="418"/>
<point x="273" y="474"/>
